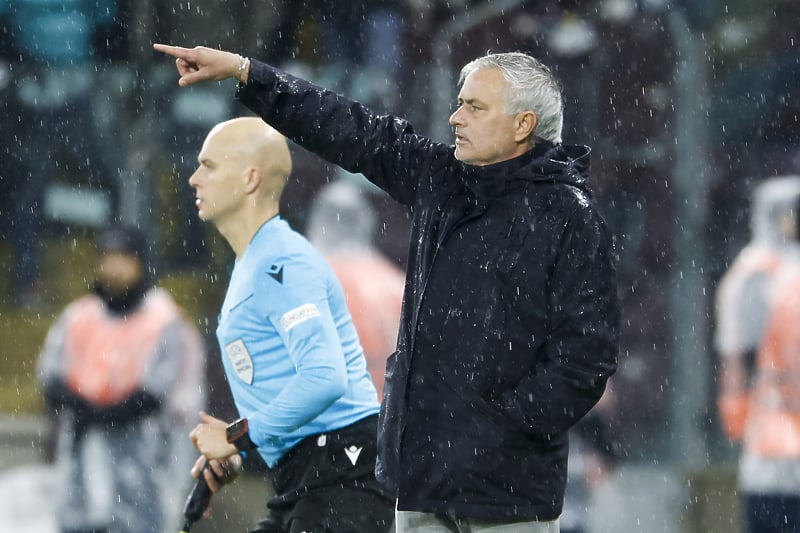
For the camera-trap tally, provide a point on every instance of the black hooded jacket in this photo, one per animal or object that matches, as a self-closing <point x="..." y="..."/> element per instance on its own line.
<point x="510" y="317"/>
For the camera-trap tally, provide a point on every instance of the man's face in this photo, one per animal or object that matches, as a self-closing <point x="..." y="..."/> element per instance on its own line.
<point x="218" y="192"/>
<point x="118" y="271"/>
<point x="484" y="133"/>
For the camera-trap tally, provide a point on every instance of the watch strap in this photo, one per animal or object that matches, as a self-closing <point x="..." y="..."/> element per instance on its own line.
<point x="237" y="434"/>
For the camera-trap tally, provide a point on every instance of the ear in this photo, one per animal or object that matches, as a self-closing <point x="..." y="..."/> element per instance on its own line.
<point x="252" y="179"/>
<point x="524" y="124"/>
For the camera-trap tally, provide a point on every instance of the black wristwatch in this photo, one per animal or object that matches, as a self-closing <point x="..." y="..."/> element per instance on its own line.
<point x="237" y="434"/>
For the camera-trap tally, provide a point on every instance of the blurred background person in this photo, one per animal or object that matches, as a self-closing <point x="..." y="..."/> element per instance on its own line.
<point x="742" y="297"/>
<point x="341" y="226"/>
<point x="120" y="370"/>
<point x="769" y="473"/>
<point x="51" y="129"/>
<point x="757" y="340"/>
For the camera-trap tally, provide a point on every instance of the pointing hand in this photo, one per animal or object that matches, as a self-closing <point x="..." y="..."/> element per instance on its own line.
<point x="202" y="64"/>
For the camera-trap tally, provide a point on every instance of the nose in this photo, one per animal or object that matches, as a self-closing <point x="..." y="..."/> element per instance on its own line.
<point x="455" y="118"/>
<point x="193" y="178"/>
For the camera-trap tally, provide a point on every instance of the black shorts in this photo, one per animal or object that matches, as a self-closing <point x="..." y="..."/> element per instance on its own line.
<point x="326" y="484"/>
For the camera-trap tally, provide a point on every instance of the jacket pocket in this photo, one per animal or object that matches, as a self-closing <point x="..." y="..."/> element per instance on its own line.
<point x="481" y="407"/>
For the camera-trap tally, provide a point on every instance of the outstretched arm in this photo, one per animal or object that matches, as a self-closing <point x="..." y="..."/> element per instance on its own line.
<point x="200" y="64"/>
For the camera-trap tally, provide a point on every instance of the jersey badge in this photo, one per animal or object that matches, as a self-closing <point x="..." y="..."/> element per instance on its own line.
<point x="276" y="273"/>
<point x="241" y="360"/>
<point x="298" y="315"/>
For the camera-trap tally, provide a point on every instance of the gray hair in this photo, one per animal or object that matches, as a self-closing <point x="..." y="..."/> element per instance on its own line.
<point x="531" y="86"/>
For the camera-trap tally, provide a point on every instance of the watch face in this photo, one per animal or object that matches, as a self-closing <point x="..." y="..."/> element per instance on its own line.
<point x="237" y="435"/>
<point x="236" y="429"/>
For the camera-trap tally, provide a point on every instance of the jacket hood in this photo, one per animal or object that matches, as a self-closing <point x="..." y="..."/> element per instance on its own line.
<point x="546" y="162"/>
<point x="774" y="199"/>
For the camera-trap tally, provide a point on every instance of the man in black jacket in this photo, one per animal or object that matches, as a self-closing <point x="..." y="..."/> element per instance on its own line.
<point x="510" y="318"/>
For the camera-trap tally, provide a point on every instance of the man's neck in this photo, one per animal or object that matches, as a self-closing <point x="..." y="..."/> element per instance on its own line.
<point x="239" y="231"/>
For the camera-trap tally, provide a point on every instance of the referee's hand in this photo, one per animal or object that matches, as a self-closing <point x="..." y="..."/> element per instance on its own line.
<point x="220" y="472"/>
<point x="210" y="437"/>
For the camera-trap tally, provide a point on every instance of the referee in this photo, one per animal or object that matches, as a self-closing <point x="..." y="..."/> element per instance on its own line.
<point x="291" y="354"/>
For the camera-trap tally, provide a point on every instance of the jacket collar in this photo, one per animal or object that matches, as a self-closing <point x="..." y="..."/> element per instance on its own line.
<point x="545" y="162"/>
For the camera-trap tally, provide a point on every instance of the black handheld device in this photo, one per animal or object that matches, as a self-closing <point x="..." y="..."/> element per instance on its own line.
<point x="197" y="502"/>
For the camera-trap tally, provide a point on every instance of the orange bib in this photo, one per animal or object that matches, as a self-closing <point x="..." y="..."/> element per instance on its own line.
<point x="106" y="356"/>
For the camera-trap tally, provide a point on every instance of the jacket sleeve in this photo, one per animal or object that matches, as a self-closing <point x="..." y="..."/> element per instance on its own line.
<point x="582" y="335"/>
<point x="382" y="147"/>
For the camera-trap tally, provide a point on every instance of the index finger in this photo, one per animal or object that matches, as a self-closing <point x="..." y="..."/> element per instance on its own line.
<point x="174" y="51"/>
<point x="208" y="419"/>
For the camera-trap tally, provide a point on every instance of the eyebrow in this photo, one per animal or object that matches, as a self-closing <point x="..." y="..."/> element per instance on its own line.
<point x="471" y="101"/>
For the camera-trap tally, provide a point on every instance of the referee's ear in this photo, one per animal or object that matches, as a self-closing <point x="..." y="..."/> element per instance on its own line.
<point x="252" y="179"/>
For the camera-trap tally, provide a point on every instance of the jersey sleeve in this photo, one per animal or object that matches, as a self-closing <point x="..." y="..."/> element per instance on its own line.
<point x="298" y="308"/>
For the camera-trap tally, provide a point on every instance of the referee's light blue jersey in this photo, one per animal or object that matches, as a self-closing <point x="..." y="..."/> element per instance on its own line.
<point x="289" y="347"/>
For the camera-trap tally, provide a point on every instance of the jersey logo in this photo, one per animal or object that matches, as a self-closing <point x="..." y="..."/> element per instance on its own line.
<point x="241" y="360"/>
<point x="298" y="315"/>
<point x="276" y="273"/>
<point x="352" y="453"/>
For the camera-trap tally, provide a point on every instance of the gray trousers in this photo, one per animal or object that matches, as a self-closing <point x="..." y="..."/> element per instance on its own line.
<point x="414" y="522"/>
